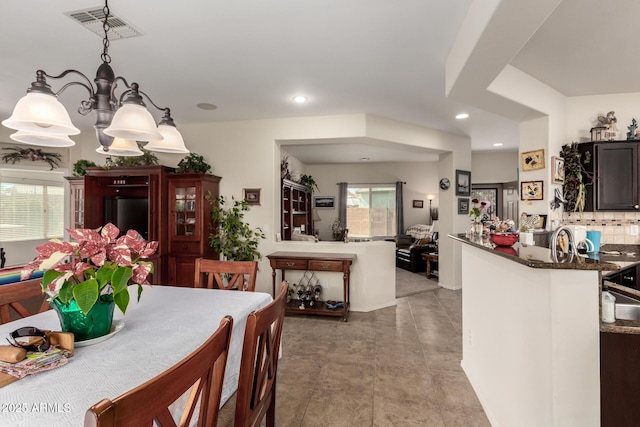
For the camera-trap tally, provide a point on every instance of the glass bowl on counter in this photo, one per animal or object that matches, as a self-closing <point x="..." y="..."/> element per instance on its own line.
<point x="504" y="239"/>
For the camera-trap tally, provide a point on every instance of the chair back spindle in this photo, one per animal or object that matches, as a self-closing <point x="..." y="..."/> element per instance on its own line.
<point x="226" y="274"/>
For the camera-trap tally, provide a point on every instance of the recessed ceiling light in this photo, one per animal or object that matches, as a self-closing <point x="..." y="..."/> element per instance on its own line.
<point x="462" y="116"/>
<point x="206" y="106"/>
<point x="300" y="99"/>
<point x="498" y="144"/>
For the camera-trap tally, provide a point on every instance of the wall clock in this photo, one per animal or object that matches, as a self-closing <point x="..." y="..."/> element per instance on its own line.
<point x="445" y="184"/>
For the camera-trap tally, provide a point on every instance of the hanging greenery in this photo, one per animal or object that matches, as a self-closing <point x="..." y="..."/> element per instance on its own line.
<point x="309" y="182"/>
<point x="193" y="163"/>
<point x="575" y="174"/>
<point x="80" y="167"/>
<point x="33" y="154"/>
<point x="146" y="159"/>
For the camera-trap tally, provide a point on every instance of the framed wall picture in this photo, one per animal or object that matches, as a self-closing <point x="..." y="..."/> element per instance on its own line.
<point x="463" y="183"/>
<point x="531" y="190"/>
<point x="463" y="206"/>
<point x="557" y="170"/>
<point x="418" y="204"/>
<point x="324" y="202"/>
<point x="532" y="160"/>
<point x="251" y="195"/>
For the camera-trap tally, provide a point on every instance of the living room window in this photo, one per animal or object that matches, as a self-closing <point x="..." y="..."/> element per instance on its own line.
<point x="30" y="209"/>
<point x="371" y="210"/>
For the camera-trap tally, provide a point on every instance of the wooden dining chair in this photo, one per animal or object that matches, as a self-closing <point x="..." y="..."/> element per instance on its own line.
<point x="202" y="371"/>
<point x="256" y="395"/>
<point x="237" y="272"/>
<point x="13" y="297"/>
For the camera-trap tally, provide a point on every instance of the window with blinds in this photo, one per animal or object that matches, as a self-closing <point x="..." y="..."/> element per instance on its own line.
<point x="30" y="211"/>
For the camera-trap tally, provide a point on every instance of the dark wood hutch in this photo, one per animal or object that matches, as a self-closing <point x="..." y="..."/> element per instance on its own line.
<point x="296" y="209"/>
<point x="177" y="213"/>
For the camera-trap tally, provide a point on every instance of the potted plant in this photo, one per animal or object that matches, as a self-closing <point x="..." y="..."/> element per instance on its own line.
<point x="233" y="237"/>
<point x="146" y="159"/>
<point x="337" y="230"/>
<point x="79" y="167"/>
<point x="85" y="278"/>
<point x="309" y="182"/>
<point x="193" y="163"/>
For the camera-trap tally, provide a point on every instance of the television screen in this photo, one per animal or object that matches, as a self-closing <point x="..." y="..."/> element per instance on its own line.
<point x="128" y="213"/>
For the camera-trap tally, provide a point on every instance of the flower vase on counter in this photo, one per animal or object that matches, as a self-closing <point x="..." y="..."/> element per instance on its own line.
<point x="476" y="212"/>
<point x="476" y="228"/>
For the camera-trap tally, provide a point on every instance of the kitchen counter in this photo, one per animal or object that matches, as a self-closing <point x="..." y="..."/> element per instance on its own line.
<point x="612" y="258"/>
<point x="540" y="257"/>
<point x="531" y="327"/>
<point x="621" y="326"/>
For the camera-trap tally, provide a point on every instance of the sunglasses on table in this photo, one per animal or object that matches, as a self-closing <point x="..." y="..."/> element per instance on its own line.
<point x="29" y="338"/>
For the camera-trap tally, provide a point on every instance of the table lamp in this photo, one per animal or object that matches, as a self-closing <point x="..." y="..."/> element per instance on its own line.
<point x="430" y="197"/>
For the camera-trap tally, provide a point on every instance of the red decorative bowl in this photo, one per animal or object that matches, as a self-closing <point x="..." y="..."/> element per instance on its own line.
<point x="504" y="239"/>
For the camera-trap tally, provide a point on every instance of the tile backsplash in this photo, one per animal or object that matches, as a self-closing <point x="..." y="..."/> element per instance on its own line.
<point x="615" y="226"/>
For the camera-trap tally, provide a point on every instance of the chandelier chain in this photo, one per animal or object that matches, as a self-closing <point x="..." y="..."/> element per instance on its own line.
<point x="105" y="42"/>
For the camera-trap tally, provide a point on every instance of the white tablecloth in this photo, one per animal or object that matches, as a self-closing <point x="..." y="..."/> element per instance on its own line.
<point x="165" y="326"/>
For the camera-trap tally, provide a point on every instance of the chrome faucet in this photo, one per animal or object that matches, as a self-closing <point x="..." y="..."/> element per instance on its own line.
<point x="570" y="244"/>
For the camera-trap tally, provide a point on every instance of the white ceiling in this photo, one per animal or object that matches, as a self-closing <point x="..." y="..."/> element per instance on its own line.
<point x="250" y="58"/>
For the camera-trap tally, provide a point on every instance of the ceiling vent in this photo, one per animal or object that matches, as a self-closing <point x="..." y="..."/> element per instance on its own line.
<point x="93" y="17"/>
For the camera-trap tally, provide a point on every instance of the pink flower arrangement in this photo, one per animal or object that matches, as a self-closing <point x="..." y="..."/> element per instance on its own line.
<point x="478" y="208"/>
<point x="98" y="263"/>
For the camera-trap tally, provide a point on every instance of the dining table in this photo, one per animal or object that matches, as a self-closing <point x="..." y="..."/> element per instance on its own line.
<point x="159" y="330"/>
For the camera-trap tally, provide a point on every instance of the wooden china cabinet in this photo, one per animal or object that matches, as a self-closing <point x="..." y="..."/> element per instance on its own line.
<point x="189" y="224"/>
<point x="161" y="205"/>
<point x="76" y="200"/>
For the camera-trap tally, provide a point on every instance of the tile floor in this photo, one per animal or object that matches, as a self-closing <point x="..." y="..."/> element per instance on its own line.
<point x="399" y="366"/>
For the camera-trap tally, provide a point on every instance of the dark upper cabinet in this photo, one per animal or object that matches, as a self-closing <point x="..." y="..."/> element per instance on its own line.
<point x="611" y="176"/>
<point x="616" y="176"/>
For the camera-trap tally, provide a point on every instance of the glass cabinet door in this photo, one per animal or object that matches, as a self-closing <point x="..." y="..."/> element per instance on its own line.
<point x="185" y="211"/>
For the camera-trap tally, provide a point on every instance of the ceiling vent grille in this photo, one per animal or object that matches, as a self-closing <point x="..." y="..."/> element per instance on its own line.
<point x="92" y="18"/>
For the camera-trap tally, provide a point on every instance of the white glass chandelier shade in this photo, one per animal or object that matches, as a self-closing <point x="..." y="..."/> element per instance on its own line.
<point x="121" y="148"/>
<point x="42" y="139"/>
<point x="171" y="143"/>
<point x="135" y="122"/>
<point x="41" y="113"/>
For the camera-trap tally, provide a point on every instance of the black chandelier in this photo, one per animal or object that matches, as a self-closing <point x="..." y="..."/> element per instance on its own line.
<point x="40" y="119"/>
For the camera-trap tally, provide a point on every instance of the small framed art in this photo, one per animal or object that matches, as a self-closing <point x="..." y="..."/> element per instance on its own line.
<point x="463" y="206"/>
<point x="324" y="202"/>
<point x="463" y="183"/>
<point x="531" y="190"/>
<point x="252" y="195"/>
<point x="557" y="170"/>
<point x="418" y="204"/>
<point x="532" y="160"/>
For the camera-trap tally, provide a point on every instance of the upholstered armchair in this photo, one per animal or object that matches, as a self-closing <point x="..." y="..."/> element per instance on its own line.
<point x="410" y="246"/>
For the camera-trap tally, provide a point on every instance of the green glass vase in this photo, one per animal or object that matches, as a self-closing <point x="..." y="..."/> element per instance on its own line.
<point x="94" y="324"/>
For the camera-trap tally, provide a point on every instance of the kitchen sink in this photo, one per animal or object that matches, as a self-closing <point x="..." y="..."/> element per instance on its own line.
<point x="626" y="308"/>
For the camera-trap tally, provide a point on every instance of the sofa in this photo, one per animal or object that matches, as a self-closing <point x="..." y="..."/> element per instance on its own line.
<point x="410" y="246"/>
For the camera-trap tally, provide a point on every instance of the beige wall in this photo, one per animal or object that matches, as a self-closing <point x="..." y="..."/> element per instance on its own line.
<point x="494" y="167"/>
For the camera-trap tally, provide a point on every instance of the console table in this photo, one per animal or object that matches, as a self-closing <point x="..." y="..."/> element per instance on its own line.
<point x="313" y="261"/>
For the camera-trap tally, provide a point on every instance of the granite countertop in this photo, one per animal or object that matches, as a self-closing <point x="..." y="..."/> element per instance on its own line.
<point x="620" y="326"/>
<point x="540" y="257"/>
<point x="610" y="259"/>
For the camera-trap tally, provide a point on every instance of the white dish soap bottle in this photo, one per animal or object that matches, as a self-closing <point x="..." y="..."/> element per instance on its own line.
<point x="608" y="307"/>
